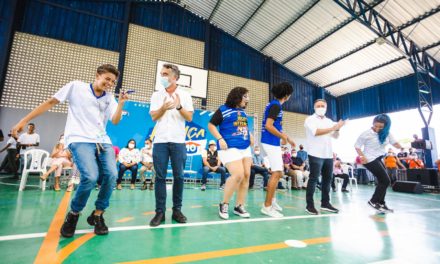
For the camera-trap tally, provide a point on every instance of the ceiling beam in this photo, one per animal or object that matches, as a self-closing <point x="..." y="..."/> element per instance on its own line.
<point x="401" y="27"/>
<point x="331" y="32"/>
<point x="214" y="10"/>
<point x="250" y="18"/>
<point x="289" y="25"/>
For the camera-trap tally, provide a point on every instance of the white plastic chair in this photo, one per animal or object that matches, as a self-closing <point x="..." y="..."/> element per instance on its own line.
<point x="35" y="160"/>
<point x="347" y="169"/>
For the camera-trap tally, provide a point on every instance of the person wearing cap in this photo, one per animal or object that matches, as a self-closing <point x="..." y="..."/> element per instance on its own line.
<point x="211" y="163"/>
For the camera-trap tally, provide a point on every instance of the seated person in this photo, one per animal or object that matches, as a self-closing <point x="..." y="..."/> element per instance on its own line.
<point x="147" y="164"/>
<point x="415" y="163"/>
<point x="392" y="163"/>
<point x="211" y="163"/>
<point x="10" y="162"/>
<point x="297" y="171"/>
<point x="61" y="158"/>
<point x="129" y="158"/>
<point x="337" y="172"/>
<point x="258" y="167"/>
<point x="403" y="156"/>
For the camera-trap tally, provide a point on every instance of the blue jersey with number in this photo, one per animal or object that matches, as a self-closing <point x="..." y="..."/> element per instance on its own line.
<point x="234" y="127"/>
<point x="266" y="136"/>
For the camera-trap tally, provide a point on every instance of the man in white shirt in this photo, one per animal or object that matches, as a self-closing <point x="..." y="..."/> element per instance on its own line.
<point x="170" y="108"/>
<point x="10" y="161"/>
<point x="91" y="105"/>
<point x="319" y="133"/>
<point x="27" y="141"/>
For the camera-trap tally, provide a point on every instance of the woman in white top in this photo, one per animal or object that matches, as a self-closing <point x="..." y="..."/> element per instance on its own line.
<point x="61" y="158"/>
<point x="374" y="141"/>
<point x="129" y="157"/>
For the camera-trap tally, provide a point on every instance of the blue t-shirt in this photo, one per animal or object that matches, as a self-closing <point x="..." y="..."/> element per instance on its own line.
<point x="273" y="110"/>
<point x="233" y="126"/>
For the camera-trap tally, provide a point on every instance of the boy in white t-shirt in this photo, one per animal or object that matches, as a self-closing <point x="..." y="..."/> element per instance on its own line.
<point x="91" y="105"/>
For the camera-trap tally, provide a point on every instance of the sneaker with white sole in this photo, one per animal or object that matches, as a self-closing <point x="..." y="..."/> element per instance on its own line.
<point x="240" y="211"/>
<point x="223" y="211"/>
<point x="386" y="208"/>
<point x="270" y="211"/>
<point x="376" y="206"/>
<point x="329" y="208"/>
<point x="276" y="206"/>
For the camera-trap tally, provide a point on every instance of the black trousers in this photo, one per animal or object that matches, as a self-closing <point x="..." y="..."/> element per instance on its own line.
<point x="10" y="162"/>
<point x="377" y="168"/>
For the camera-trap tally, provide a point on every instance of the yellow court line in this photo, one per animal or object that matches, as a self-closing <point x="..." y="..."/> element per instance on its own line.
<point x="231" y="252"/>
<point x="125" y="219"/>
<point x="48" y="249"/>
<point x="73" y="246"/>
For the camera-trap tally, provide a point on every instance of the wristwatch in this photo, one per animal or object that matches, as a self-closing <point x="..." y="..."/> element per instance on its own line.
<point x="178" y="108"/>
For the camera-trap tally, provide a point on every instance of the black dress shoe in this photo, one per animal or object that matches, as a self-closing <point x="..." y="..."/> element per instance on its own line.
<point x="178" y="216"/>
<point x="157" y="219"/>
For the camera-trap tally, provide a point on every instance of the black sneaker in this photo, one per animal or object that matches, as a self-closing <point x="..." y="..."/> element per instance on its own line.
<point x="157" y="219"/>
<point x="311" y="210"/>
<point x="329" y="208"/>
<point x="385" y="208"/>
<point x="178" y="217"/>
<point x="98" y="222"/>
<point x="69" y="225"/>
<point x="345" y="190"/>
<point x="240" y="211"/>
<point x="376" y="206"/>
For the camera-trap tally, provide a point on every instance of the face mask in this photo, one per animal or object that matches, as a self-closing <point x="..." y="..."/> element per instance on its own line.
<point x="294" y="155"/>
<point x="131" y="145"/>
<point x="9" y="135"/>
<point x="164" y="82"/>
<point x="61" y="141"/>
<point x="257" y="152"/>
<point x="214" y="148"/>
<point x="301" y="148"/>
<point x="390" y="154"/>
<point x="320" y="111"/>
<point x="148" y="146"/>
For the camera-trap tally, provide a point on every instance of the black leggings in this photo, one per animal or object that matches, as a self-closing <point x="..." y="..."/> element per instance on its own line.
<point x="377" y="168"/>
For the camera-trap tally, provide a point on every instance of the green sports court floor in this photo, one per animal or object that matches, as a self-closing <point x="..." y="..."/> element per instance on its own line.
<point x="30" y="222"/>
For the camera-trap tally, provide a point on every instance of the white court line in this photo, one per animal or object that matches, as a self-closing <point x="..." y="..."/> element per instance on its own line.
<point x="221" y="222"/>
<point x="145" y="227"/>
<point x="406" y="260"/>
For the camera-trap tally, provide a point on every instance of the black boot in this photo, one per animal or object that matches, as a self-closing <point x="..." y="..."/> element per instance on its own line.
<point x="98" y="222"/>
<point x="157" y="219"/>
<point x="69" y="226"/>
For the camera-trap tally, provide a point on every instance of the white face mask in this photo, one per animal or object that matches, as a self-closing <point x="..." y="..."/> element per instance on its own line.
<point x="148" y="146"/>
<point x="257" y="152"/>
<point x="131" y="146"/>
<point x="61" y="141"/>
<point x="164" y="82"/>
<point x="320" y="111"/>
<point x="294" y="155"/>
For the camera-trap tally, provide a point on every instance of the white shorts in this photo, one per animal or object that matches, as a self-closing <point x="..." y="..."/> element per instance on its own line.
<point x="273" y="153"/>
<point x="233" y="154"/>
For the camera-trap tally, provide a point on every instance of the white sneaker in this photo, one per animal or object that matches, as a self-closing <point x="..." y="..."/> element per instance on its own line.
<point x="276" y="206"/>
<point x="223" y="211"/>
<point x="270" y="211"/>
<point x="240" y="211"/>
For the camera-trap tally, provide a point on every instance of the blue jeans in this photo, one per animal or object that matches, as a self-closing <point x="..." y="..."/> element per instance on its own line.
<point x="162" y="153"/>
<point x="122" y="169"/>
<point x="91" y="163"/>
<point x="318" y="167"/>
<point x="220" y="170"/>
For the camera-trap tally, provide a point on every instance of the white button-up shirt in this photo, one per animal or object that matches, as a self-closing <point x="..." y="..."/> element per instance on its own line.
<point x="372" y="147"/>
<point x="171" y="126"/>
<point x="319" y="146"/>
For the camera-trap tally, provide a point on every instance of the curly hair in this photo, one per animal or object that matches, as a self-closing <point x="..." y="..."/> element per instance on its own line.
<point x="384" y="119"/>
<point x="235" y="96"/>
<point x="282" y="90"/>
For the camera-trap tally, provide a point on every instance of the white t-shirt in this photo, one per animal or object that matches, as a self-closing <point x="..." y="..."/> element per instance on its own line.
<point x="88" y="114"/>
<point x="147" y="154"/>
<point x="372" y="147"/>
<point x="13" y="143"/>
<point x="26" y="138"/>
<point x="129" y="156"/>
<point x="171" y="126"/>
<point x="319" y="146"/>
